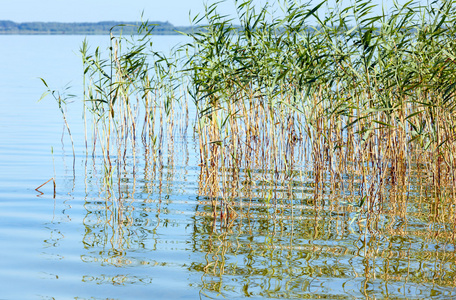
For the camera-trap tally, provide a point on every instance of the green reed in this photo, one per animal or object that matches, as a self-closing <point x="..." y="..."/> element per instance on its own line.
<point x="130" y="96"/>
<point x="61" y="98"/>
<point x="350" y="94"/>
<point x="314" y="125"/>
<point x="343" y="99"/>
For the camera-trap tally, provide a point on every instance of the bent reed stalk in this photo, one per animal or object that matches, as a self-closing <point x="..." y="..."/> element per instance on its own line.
<point x="340" y="105"/>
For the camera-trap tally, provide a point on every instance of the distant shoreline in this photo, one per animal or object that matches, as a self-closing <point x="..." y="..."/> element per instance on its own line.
<point x="86" y="28"/>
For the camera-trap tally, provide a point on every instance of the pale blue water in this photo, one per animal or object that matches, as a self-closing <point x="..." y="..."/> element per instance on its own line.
<point x="60" y="248"/>
<point x="158" y="242"/>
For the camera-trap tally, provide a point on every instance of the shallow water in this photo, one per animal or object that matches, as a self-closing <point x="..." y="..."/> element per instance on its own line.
<point x="160" y="240"/>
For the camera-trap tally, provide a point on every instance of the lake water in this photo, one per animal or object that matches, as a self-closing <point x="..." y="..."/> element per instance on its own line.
<point x="159" y="242"/>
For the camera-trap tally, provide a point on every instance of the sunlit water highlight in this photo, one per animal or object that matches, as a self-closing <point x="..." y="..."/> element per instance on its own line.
<point x="160" y="240"/>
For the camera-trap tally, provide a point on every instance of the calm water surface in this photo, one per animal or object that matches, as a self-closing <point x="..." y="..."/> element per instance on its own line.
<point x="159" y="242"/>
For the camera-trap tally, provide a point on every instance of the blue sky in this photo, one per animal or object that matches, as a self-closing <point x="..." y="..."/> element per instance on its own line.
<point x="174" y="11"/>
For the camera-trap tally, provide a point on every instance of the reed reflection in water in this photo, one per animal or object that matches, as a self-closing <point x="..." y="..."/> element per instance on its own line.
<point x="289" y="246"/>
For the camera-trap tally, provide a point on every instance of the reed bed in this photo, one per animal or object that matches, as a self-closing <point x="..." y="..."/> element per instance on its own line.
<point x="325" y="141"/>
<point x="350" y="101"/>
<point x="322" y="106"/>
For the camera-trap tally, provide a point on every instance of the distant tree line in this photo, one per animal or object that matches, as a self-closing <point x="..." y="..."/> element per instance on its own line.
<point x="160" y="28"/>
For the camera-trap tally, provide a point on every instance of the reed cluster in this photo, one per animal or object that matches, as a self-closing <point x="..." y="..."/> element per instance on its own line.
<point x="129" y="100"/>
<point x="349" y="104"/>
<point x="354" y="102"/>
